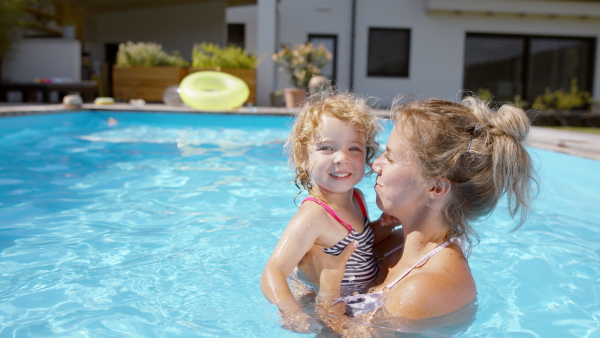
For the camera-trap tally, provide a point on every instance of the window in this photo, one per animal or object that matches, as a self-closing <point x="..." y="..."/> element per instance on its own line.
<point x="511" y="65"/>
<point x="330" y="42"/>
<point x="388" y="52"/>
<point x="236" y="33"/>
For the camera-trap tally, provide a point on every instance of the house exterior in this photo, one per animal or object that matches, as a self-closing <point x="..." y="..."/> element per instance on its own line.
<point x="385" y="48"/>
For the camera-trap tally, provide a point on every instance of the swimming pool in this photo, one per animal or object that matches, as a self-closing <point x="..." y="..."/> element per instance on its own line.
<point x="160" y="225"/>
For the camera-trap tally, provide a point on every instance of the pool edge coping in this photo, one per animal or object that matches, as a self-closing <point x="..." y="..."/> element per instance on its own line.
<point x="561" y="141"/>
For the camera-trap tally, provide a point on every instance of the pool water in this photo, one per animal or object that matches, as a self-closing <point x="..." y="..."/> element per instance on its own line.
<point x="160" y="225"/>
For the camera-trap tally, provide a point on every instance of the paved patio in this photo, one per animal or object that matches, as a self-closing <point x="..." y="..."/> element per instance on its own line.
<point x="568" y="142"/>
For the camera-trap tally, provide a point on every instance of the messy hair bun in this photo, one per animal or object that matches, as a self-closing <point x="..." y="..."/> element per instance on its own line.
<point x="479" y="150"/>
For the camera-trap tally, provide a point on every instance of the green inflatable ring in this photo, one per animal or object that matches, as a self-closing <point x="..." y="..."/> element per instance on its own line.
<point x="208" y="90"/>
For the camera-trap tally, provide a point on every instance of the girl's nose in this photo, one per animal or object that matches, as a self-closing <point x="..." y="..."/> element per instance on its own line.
<point x="340" y="157"/>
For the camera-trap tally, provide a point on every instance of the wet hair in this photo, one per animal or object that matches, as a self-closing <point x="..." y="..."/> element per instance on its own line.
<point x="478" y="149"/>
<point x="343" y="106"/>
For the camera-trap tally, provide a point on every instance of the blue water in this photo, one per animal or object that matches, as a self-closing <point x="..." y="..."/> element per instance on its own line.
<point x="161" y="224"/>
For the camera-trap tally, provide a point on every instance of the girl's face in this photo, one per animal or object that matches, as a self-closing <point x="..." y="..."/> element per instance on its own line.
<point x="336" y="157"/>
<point x="399" y="187"/>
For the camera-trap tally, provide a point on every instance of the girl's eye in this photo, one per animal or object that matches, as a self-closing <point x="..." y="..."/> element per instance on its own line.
<point x="355" y="149"/>
<point x="327" y="148"/>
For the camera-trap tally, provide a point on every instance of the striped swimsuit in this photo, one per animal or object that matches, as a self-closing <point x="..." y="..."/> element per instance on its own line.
<point x="361" y="269"/>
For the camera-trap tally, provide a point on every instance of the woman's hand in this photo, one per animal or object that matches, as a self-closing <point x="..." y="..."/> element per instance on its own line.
<point x="387" y="220"/>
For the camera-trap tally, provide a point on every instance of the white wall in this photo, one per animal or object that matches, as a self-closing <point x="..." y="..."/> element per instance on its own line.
<point x="44" y="58"/>
<point x="438" y="33"/>
<point x="175" y="27"/>
<point x="248" y="15"/>
<point x="437" y="44"/>
<point x="298" y="19"/>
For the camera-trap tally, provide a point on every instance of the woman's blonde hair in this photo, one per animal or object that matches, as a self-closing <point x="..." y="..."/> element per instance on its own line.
<point x="478" y="149"/>
<point x="343" y="106"/>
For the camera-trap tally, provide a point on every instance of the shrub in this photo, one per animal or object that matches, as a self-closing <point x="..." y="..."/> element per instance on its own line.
<point x="209" y="55"/>
<point x="147" y="54"/>
<point x="561" y="100"/>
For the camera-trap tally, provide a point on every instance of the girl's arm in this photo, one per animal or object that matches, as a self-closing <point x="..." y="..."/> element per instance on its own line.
<point x="299" y="236"/>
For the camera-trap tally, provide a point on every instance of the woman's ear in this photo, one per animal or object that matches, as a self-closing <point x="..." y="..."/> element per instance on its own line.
<point x="439" y="188"/>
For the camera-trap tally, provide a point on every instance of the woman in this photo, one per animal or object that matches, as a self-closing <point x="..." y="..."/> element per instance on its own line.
<point x="445" y="165"/>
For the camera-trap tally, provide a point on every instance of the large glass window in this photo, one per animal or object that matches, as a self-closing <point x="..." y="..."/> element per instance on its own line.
<point x="388" y="52"/>
<point x="508" y="65"/>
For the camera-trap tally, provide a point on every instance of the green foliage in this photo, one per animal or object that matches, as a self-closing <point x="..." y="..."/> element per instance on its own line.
<point x="485" y="94"/>
<point x="10" y="13"/>
<point x="561" y="100"/>
<point x="147" y="54"/>
<point x="302" y="62"/>
<point x="210" y="55"/>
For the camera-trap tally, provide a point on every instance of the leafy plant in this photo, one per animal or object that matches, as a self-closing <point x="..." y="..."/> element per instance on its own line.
<point x="561" y="100"/>
<point x="302" y="62"/>
<point x="210" y="55"/>
<point x="484" y="94"/>
<point x="147" y="54"/>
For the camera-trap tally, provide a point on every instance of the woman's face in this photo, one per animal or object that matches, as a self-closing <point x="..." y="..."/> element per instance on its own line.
<point x="400" y="189"/>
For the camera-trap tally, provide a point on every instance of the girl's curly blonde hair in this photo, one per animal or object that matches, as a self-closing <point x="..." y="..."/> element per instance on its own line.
<point x="343" y="106"/>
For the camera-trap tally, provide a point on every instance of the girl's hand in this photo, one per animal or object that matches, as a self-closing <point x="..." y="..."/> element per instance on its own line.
<point x="300" y="322"/>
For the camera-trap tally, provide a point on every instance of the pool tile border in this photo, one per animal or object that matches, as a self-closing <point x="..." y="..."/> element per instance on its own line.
<point x="562" y="141"/>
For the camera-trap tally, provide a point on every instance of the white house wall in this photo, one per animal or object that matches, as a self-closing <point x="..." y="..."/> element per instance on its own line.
<point x="298" y="19"/>
<point x="438" y="33"/>
<point x="437" y="44"/>
<point x="248" y="16"/>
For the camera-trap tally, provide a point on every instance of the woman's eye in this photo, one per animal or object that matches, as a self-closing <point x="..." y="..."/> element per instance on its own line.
<point x="389" y="159"/>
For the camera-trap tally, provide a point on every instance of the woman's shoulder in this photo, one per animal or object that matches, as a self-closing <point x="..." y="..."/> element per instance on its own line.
<point x="443" y="285"/>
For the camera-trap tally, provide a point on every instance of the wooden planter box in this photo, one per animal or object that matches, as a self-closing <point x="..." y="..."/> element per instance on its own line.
<point x="247" y="75"/>
<point x="148" y="83"/>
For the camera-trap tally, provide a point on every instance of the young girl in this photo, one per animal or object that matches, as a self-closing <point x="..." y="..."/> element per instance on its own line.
<point x="331" y="143"/>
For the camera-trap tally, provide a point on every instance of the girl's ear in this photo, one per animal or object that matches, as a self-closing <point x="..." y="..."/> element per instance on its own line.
<point x="439" y="188"/>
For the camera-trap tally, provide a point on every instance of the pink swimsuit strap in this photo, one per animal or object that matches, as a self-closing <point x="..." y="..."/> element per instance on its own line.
<point x="332" y="212"/>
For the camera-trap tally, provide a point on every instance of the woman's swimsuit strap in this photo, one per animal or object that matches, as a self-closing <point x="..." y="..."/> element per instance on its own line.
<point x="420" y="262"/>
<point x="332" y="212"/>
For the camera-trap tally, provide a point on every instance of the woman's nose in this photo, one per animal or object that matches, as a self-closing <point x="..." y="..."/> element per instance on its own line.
<point x="376" y="166"/>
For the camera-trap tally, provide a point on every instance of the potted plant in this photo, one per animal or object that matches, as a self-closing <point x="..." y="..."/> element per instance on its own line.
<point x="143" y="71"/>
<point x="301" y="62"/>
<point x="232" y="59"/>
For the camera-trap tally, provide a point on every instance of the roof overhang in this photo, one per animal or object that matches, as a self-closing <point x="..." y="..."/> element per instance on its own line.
<point x="103" y="6"/>
<point x="549" y="8"/>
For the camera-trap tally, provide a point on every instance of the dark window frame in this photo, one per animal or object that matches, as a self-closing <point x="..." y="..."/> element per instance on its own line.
<point x="333" y="52"/>
<point x="405" y="72"/>
<point x="527" y="41"/>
